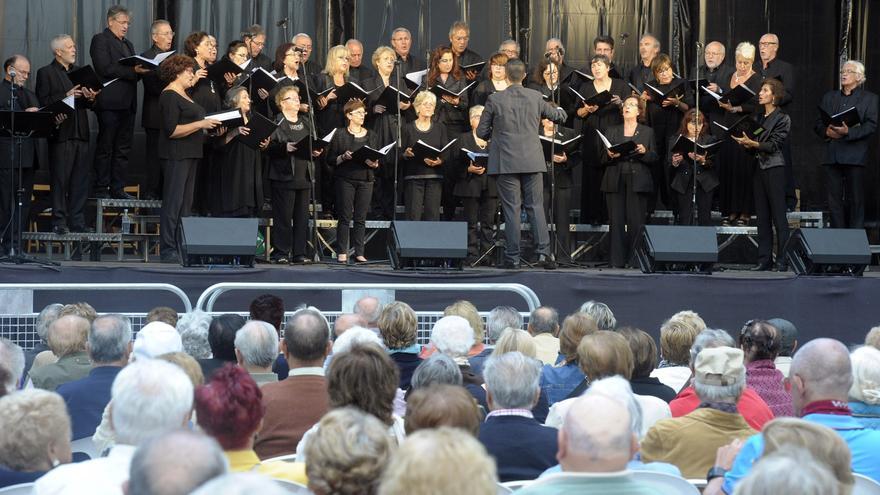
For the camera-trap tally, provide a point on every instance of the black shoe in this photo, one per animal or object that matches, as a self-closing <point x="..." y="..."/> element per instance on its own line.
<point x="280" y="260"/>
<point x="60" y="230"/>
<point x="781" y="266"/>
<point x="511" y="265"/>
<point x="547" y="262"/>
<point x="102" y="193"/>
<point x="122" y="195"/>
<point x="762" y="267"/>
<point x="300" y="260"/>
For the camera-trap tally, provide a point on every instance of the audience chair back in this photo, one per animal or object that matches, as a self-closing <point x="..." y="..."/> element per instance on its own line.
<point x="865" y="485"/>
<point x="503" y="489"/>
<point x="293" y="487"/>
<point x="19" y="489"/>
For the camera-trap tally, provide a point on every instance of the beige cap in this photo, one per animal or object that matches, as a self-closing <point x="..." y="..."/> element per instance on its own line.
<point x="719" y="366"/>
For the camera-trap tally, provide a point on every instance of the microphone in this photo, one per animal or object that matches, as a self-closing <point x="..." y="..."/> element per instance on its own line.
<point x="623" y="37"/>
<point x="298" y="49"/>
<point x="11" y="72"/>
<point x="547" y="54"/>
<point x="281" y="23"/>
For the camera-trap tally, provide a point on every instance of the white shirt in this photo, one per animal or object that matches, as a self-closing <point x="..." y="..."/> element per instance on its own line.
<point x="783" y="364"/>
<point x="101" y="476"/>
<point x="547" y="347"/>
<point x="396" y="431"/>
<point x="653" y="409"/>
<point x="674" y="377"/>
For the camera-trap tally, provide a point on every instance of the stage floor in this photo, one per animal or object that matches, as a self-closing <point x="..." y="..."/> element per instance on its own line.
<point x="841" y="307"/>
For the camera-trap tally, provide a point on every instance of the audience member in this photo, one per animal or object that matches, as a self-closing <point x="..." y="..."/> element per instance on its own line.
<point x="499" y="319"/>
<point x="453" y="336"/>
<point x="559" y="380"/>
<point x="155" y="339"/>
<point x="240" y="484"/>
<point x="229" y="408"/>
<point x="294" y="404"/>
<point x="442" y="405"/>
<point x="347" y="453"/>
<point x="12" y="360"/>
<point x="677" y="336"/>
<point x="221" y="338"/>
<point x="437" y="369"/>
<point x="544" y="326"/>
<point x="346" y="321"/>
<point x="193" y="330"/>
<point x="34" y="435"/>
<point x="256" y="347"/>
<point x="469" y="312"/>
<point x="174" y="463"/>
<point x="690" y="441"/>
<point x="163" y="314"/>
<point x="516" y="340"/>
<point x="760" y="342"/>
<point x="398" y="325"/>
<point x="150" y="397"/>
<point x="522" y="447"/>
<point x="873" y="338"/>
<point x="601" y="314"/>
<point x="789" y="471"/>
<point x="47" y="316"/>
<point x="787" y="344"/>
<point x="270" y="308"/>
<point x="644" y="361"/>
<point x="440" y="461"/>
<point x="187" y="363"/>
<point x="369" y="308"/>
<point x="67" y="340"/>
<point x="81" y="309"/>
<point x="752" y="407"/>
<point x="864" y="394"/>
<point x="352" y="337"/>
<point x="109" y="345"/>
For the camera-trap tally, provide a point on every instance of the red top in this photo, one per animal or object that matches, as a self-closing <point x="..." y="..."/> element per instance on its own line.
<point x="752" y="407"/>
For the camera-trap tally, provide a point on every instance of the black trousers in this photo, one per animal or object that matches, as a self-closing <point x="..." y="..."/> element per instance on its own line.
<point x="70" y="182"/>
<point x="115" y="131"/>
<point x="790" y="182"/>
<point x="627" y="211"/>
<point x="289" y="204"/>
<point x="686" y="206"/>
<point x="9" y="206"/>
<point x="770" y="211"/>
<point x="519" y="192"/>
<point x="177" y="198"/>
<point x="846" y="195"/>
<point x="480" y="216"/>
<point x="561" y="218"/>
<point x="352" y="203"/>
<point x="422" y="199"/>
<point x="152" y="185"/>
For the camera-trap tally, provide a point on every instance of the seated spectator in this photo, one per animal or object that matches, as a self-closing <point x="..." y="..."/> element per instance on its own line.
<point x="6" y="381"/>
<point x="514" y="340"/>
<point x="600" y="313"/>
<point x="544" y="327"/>
<point x="350" y="338"/>
<point x="109" y="344"/>
<point x="229" y="408"/>
<point x="46" y="317"/>
<point x="221" y="338"/>
<point x="469" y="312"/>
<point x="759" y="341"/>
<point x="241" y="484"/>
<point x="346" y="321"/>
<point x="81" y="309"/>
<point x="155" y="339"/>
<point x="163" y="314"/>
<point x="559" y="380"/>
<point x="789" y="471"/>
<point x="150" y="397"/>
<point x="691" y="441"/>
<point x="193" y="330"/>
<point x="752" y="407"/>
<point x="34" y="435"/>
<point x="256" y="347"/>
<point x="397" y="327"/>
<point x="499" y="319"/>
<point x="294" y="404"/>
<point x="788" y="342"/>
<point x="644" y="361"/>
<point x="442" y="405"/>
<point x="437" y="369"/>
<point x="873" y="338"/>
<point x="67" y="340"/>
<point x="677" y="336"/>
<point x="347" y="453"/>
<point x="270" y="308"/>
<point x="175" y="463"/>
<point x="369" y="308"/>
<point x="12" y="360"/>
<point x="864" y="394"/>
<point x="453" y="336"/>
<point x="440" y="461"/>
<point x="522" y="447"/>
<point x="366" y="378"/>
<point x="821" y="376"/>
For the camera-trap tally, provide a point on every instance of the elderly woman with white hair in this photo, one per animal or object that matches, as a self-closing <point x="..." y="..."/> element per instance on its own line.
<point x="34" y="435"/>
<point x="864" y="395"/>
<point x="453" y="336"/>
<point x="848" y="138"/>
<point x="241" y="178"/>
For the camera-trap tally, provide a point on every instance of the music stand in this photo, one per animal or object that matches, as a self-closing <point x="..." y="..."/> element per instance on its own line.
<point x="19" y="125"/>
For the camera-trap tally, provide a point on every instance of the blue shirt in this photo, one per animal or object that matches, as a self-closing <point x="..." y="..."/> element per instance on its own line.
<point x="558" y="382"/>
<point x="866" y="414"/>
<point x="863" y="445"/>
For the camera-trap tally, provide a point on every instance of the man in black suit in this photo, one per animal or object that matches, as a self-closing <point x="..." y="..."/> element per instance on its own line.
<point x="714" y="72"/>
<point x="116" y="105"/>
<point x="401" y="41"/>
<point x="510" y="122"/>
<point x="69" y="145"/>
<point x="459" y="37"/>
<point x="555" y="51"/>
<point x="359" y="69"/>
<point x="649" y="47"/>
<point x="604" y="45"/>
<point x="151" y="120"/>
<point x="303" y="42"/>
<point x="254" y="38"/>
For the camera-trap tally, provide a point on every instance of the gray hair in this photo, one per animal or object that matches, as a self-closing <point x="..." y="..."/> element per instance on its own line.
<point x="253" y="31"/>
<point x="649" y="35"/>
<point x="858" y="68"/>
<point x="12" y="357"/>
<point x="149" y="397"/>
<point x="117" y="10"/>
<point x="513" y="379"/>
<point x="616" y="387"/>
<point x="509" y="42"/>
<point x="439" y="368"/>
<point x="792" y="470"/>
<point x="708" y="339"/>
<point x="241" y="484"/>
<point x="453" y="336"/>
<point x="109" y="338"/>
<point x="55" y="44"/>
<point x="500" y="318"/>
<point x="257" y="341"/>
<point x="401" y="30"/>
<point x="600" y="313"/>
<point x="356" y="335"/>
<point x="475" y="110"/>
<point x="175" y="463"/>
<point x="866" y="375"/>
<point x="299" y="35"/>
<point x="44" y="320"/>
<point x="154" y="27"/>
<point x="354" y="41"/>
<point x="193" y="330"/>
<point x="544" y="319"/>
<point x="233" y="96"/>
<point x="369" y="316"/>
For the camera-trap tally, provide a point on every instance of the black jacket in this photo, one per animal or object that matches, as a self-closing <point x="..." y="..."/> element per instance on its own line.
<point x="781" y="70"/>
<point x="53" y="85"/>
<point x="707" y="176"/>
<point x="25" y="98"/>
<point x="106" y="50"/>
<point x="853" y="148"/>
<point x="642" y="181"/>
<point x="151" y="118"/>
<point x="777" y="127"/>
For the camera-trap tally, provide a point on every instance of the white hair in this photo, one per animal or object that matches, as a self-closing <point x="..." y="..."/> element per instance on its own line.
<point x="45" y="319"/>
<point x="708" y="339"/>
<point x="241" y="484"/>
<point x="56" y="42"/>
<point x="617" y="388"/>
<point x="792" y="470"/>
<point x="257" y="341"/>
<point x="299" y="35"/>
<point x="453" y="336"/>
<point x="355" y="336"/>
<point x="600" y="313"/>
<point x="513" y="379"/>
<point x="745" y="50"/>
<point x="866" y="375"/>
<point x="149" y="397"/>
<point x="193" y="330"/>
<point x="12" y="357"/>
<point x="859" y="69"/>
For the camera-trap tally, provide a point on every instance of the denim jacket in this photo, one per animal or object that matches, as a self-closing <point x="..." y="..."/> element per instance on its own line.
<point x="558" y="381"/>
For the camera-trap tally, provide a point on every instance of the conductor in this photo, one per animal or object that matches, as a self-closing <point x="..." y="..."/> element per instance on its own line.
<point x="511" y="122"/>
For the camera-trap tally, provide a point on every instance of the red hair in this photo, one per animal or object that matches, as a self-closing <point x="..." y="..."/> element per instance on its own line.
<point x="230" y="407"/>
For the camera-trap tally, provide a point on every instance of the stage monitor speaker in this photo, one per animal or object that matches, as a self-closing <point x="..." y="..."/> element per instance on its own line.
<point x="676" y="249"/>
<point x="828" y="251"/>
<point x="208" y="241"/>
<point x="414" y="245"/>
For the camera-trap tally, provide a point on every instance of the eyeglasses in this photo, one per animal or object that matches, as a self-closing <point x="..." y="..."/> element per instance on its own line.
<point x="630" y="105"/>
<point x="290" y="98"/>
<point x="169" y="34"/>
<point x="848" y="71"/>
<point x="359" y="113"/>
<point x="768" y="43"/>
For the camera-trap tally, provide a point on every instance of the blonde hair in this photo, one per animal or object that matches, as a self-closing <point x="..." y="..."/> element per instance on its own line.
<point x="422" y="97"/>
<point x="465" y="309"/>
<point x="823" y="443"/>
<point x="866" y="375"/>
<point x="188" y="364"/>
<point x="398" y="325"/>
<point x="68" y="335"/>
<point x="677" y="336"/>
<point x="382" y="50"/>
<point x="873" y="338"/>
<point x="332" y="66"/>
<point x="515" y="340"/>
<point x="31" y="421"/>
<point x="82" y="309"/>
<point x="574" y="328"/>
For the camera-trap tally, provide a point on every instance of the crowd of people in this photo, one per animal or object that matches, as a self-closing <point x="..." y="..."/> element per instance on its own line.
<point x="225" y="404"/>
<point x="201" y="165"/>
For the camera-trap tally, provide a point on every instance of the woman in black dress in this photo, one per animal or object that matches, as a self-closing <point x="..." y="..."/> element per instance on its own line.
<point x="497" y="80"/>
<point x="240" y="166"/>
<point x="695" y="128"/>
<point x="290" y="176"/>
<point x="180" y="147"/>
<point x="545" y="79"/>
<point x="423" y="178"/>
<point x="354" y="181"/>
<point x="627" y="182"/>
<point x="560" y="187"/>
<point x="288" y="68"/>
<point x="444" y="72"/>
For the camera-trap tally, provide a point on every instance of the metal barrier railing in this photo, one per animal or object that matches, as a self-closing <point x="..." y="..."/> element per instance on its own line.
<point x="209" y="296"/>
<point x="187" y="305"/>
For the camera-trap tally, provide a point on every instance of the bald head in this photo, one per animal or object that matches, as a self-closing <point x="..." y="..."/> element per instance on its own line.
<point x="768" y="46"/>
<point x="596" y="436"/>
<point x="820" y="370"/>
<point x="369" y="308"/>
<point x="175" y="464"/>
<point x="345" y="321"/>
<point x="68" y="335"/>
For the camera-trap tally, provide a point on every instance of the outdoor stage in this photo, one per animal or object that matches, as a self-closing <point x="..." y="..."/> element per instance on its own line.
<point x="840" y="307"/>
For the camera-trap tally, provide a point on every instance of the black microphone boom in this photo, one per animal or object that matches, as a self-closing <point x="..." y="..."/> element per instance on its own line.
<point x="282" y="22"/>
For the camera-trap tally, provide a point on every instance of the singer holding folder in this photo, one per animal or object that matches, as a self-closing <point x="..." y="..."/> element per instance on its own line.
<point x="423" y="175"/>
<point x="684" y="170"/>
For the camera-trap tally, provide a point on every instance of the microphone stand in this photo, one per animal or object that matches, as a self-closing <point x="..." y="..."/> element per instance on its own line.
<point x="694" y="216"/>
<point x="554" y="96"/>
<point x="399" y="67"/>
<point x="312" y="170"/>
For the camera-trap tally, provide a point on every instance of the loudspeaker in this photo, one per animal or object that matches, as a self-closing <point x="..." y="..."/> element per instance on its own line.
<point x="676" y="249"/>
<point x="218" y="241"/>
<point x="427" y="244"/>
<point x="828" y="251"/>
